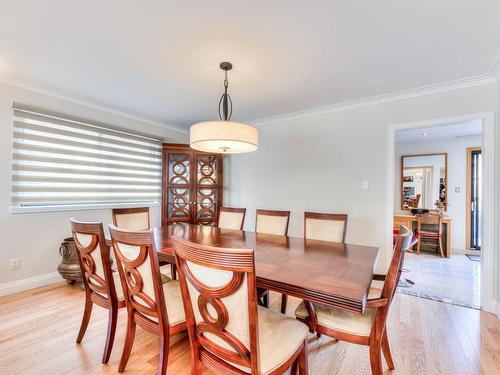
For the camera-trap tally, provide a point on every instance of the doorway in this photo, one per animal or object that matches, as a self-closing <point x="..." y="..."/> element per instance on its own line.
<point x="433" y="162"/>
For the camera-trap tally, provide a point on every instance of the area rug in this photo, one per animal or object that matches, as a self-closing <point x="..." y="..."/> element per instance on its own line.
<point x="474" y="258"/>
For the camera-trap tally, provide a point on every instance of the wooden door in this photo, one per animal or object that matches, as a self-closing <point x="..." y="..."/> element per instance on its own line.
<point x="192" y="185"/>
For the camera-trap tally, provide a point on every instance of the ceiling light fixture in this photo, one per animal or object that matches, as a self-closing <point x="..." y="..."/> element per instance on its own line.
<point x="224" y="136"/>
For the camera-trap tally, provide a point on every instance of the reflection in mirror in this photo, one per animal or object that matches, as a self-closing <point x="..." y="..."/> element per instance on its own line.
<point x="424" y="181"/>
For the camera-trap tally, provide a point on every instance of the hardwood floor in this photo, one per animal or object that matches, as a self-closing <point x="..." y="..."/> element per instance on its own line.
<point x="38" y="329"/>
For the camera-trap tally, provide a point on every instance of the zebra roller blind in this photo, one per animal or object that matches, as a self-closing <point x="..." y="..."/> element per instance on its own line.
<point x="63" y="162"/>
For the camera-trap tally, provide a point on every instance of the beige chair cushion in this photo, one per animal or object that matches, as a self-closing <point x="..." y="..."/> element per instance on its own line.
<point x="173" y="300"/>
<point x="133" y="221"/>
<point x="279" y="337"/>
<point x="325" y="230"/>
<point x="271" y="224"/>
<point x="339" y="320"/>
<point x="230" y="220"/>
<point x="374" y="293"/>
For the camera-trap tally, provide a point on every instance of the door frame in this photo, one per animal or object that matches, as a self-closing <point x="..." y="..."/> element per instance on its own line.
<point x="468" y="202"/>
<point x="489" y="209"/>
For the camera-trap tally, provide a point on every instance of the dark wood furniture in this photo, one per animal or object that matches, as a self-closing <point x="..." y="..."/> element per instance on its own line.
<point x="101" y="286"/>
<point x="430" y="230"/>
<point x="334" y="274"/>
<point x="231" y="218"/>
<point x="233" y="336"/>
<point x="368" y="329"/>
<point x="192" y="185"/>
<point x="136" y="218"/>
<point x="152" y="305"/>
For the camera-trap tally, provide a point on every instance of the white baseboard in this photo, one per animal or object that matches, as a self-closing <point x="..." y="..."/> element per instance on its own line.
<point x="29" y="283"/>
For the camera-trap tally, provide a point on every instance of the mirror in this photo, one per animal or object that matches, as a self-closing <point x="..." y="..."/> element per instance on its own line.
<point x="424" y="181"/>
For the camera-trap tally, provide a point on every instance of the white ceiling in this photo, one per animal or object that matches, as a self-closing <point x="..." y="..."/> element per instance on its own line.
<point x="160" y="58"/>
<point x="463" y="129"/>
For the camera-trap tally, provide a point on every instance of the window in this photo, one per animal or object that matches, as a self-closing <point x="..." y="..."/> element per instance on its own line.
<point x="60" y="162"/>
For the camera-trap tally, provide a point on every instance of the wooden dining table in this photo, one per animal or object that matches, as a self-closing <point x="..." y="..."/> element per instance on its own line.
<point x="330" y="273"/>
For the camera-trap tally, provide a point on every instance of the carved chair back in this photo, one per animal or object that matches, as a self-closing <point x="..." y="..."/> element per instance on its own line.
<point x="136" y="218"/>
<point x="231" y="218"/>
<point x="93" y="256"/>
<point x="137" y="263"/>
<point x="219" y="292"/>
<point x="272" y="222"/>
<point x="325" y="227"/>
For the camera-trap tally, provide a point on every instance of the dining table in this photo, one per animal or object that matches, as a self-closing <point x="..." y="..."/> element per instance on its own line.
<point x="338" y="275"/>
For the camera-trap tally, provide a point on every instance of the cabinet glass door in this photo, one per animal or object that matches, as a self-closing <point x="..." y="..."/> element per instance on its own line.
<point x="207" y="188"/>
<point x="178" y="186"/>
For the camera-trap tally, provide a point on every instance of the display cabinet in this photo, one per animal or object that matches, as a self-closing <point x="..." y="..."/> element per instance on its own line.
<point x="192" y="185"/>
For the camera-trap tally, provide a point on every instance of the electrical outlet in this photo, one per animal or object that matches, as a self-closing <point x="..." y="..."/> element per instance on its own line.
<point x="15" y="264"/>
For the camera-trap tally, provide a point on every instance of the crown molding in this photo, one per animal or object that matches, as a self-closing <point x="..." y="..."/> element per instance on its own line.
<point x="76" y="99"/>
<point x="385" y="98"/>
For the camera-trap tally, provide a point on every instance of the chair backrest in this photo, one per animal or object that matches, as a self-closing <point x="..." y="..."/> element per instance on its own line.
<point x="220" y="301"/>
<point x="137" y="263"/>
<point x="325" y="227"/>
<point x="430" y="218"/>
<point x="272" y="222"/>
<point x="231" y="218"/>
<point x="131" y="218"/>
<point x="93" y="256"/>
<point x="403" y="243"/>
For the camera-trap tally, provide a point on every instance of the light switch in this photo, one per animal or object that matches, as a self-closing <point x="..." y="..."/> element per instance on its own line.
<point x="365" y="185"/>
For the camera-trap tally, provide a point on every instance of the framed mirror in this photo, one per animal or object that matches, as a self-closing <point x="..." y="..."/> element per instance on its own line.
<point x="424" y="181"/>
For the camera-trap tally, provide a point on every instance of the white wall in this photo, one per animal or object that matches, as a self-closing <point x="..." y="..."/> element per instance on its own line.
<point x="318" y="162"/>
<point x="457" y="177"/>
<point x="35" y="237"/>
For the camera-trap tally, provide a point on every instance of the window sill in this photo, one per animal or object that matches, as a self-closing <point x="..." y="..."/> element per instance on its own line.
<point x="83" y="207"/>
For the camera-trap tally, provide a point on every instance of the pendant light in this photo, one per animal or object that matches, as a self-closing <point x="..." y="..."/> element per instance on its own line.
<point x="224" y="136"/>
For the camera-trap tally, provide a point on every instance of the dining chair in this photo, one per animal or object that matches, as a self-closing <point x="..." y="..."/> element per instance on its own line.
<point x="153" y="306"/>
<point x="370" y="327"/>
<point x="325" y="227"/>
<point x="271" y="222"/>
<point x="432" y="233"/>
<point x="231" y="218"/>
<point x="228" y="333"/>
<point x="137" y="218"/>
<point x="102" y="285"/>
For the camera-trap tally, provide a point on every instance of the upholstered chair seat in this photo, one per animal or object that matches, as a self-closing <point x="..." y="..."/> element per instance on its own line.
<point x="279" y="338"/>
<point x="339" y="320"/>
